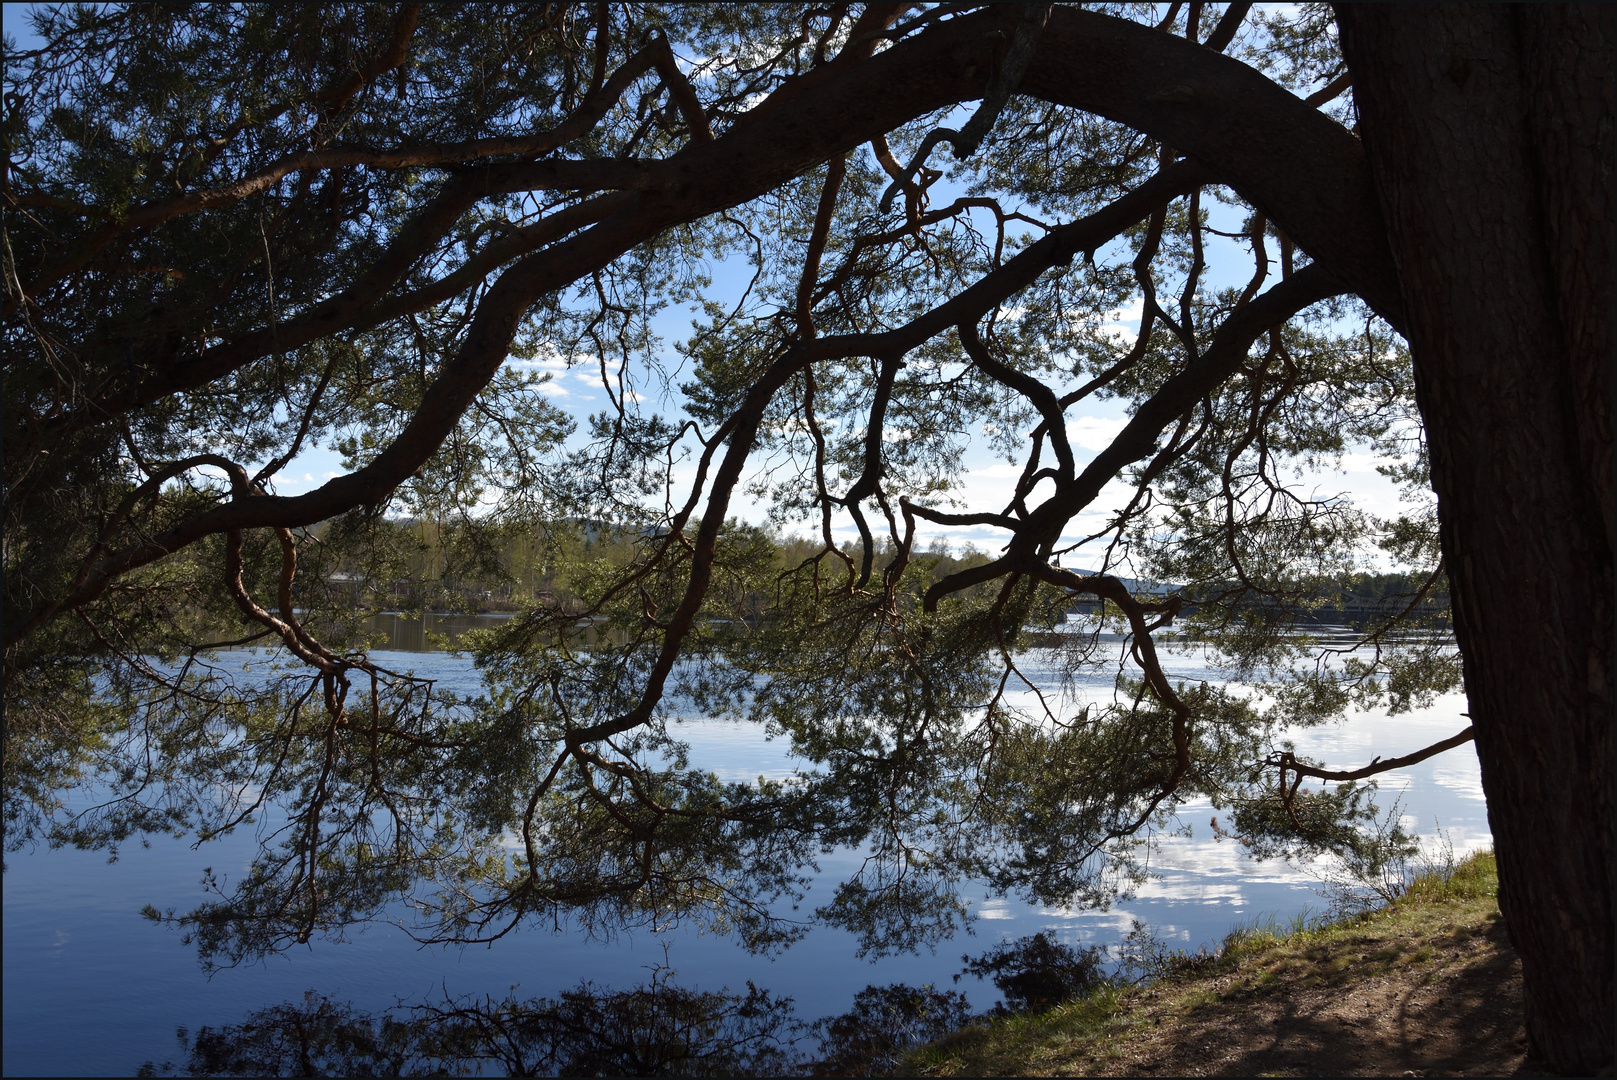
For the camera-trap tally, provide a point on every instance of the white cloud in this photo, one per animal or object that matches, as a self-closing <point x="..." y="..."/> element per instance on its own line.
<point x="1366" y="463"/>
<point x="546" y="363"/>
<point x="1123" y="320"/>
<point x="1094" y="432"/>
<point x="550" y="358"/>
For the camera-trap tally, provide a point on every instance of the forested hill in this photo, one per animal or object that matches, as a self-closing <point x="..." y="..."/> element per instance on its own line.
<point x="415" y="564"/>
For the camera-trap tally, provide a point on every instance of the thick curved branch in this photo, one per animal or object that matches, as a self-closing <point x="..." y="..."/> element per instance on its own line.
<point x="869" y="482"/>
<point x="1224" y="355"/>
<point x="890" y="165"/>
<point x="836" y="169"/>
<point x="1287" y="761"/>
<point x="679" y="88"/>
<point x="1331" y="90"/>
<point x="1145" y="654"/>
<point x="940" y="517"/>
<point x="391" y="56"/>
<point x="290" y="633"/>
<point x="1228" y="24"/>
<point x="1305" y="171"/>
<point x="1041" y="396"/>
<point x="745" y="432"/>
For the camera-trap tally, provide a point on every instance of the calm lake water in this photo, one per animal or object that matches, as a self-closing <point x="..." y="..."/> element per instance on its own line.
<point x="92" y="988"/>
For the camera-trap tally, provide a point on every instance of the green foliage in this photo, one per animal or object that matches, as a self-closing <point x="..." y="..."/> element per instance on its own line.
<point x="237" y="233"/>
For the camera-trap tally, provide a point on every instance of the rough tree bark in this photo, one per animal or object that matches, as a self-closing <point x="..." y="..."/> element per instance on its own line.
<point x="1489" y="136"/>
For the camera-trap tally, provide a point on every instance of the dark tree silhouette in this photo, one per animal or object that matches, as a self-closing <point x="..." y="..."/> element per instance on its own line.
<point x="1489" y="134"/>
<point x="236" y="232"/>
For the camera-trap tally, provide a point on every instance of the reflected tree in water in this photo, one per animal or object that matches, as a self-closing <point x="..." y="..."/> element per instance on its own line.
<point x="657" y="1029"/>
<point x="653" y="1030"/>
<point x="885" y="1021"/>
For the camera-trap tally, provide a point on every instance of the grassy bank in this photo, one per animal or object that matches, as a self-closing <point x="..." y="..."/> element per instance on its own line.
<point x="1427" y="986"/>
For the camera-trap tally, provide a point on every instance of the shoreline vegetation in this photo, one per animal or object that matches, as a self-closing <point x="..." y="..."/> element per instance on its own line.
<point x="470" y="568"/>
<point x="1427" y="985"/>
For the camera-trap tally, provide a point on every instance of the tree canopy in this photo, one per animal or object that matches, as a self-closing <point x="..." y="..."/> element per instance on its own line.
<point x="238" y="232"/>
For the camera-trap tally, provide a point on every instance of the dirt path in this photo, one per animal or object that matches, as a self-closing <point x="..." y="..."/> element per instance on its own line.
<point x="1446" y="1005"/>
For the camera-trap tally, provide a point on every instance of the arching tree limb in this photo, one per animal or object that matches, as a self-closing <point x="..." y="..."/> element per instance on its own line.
<point x="1287" y="761"/>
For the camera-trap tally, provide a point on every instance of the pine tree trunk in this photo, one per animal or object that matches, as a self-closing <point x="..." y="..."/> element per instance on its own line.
<point x="1488" y="130"/>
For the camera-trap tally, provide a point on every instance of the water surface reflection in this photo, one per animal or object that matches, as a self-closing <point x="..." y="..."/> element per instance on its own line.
<point x="94" y="989"/>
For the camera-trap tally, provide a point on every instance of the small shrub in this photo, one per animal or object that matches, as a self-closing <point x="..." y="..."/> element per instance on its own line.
<point x="1267" y="931"/>
<point x="1473" y="878"/>
<point x="1145" y="957"/>
<point x="884" y="1022"/>
<point x="1037" y="973"/>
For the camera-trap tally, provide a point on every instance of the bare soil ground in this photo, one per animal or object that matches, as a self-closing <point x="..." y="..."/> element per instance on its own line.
<point x="1427" y="987"/>
<point x="1454" y="1011"/>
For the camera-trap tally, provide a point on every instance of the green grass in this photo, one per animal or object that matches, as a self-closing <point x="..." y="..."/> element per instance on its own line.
<point x="1446" y="906"/>
<point x="992" y="1048"/>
